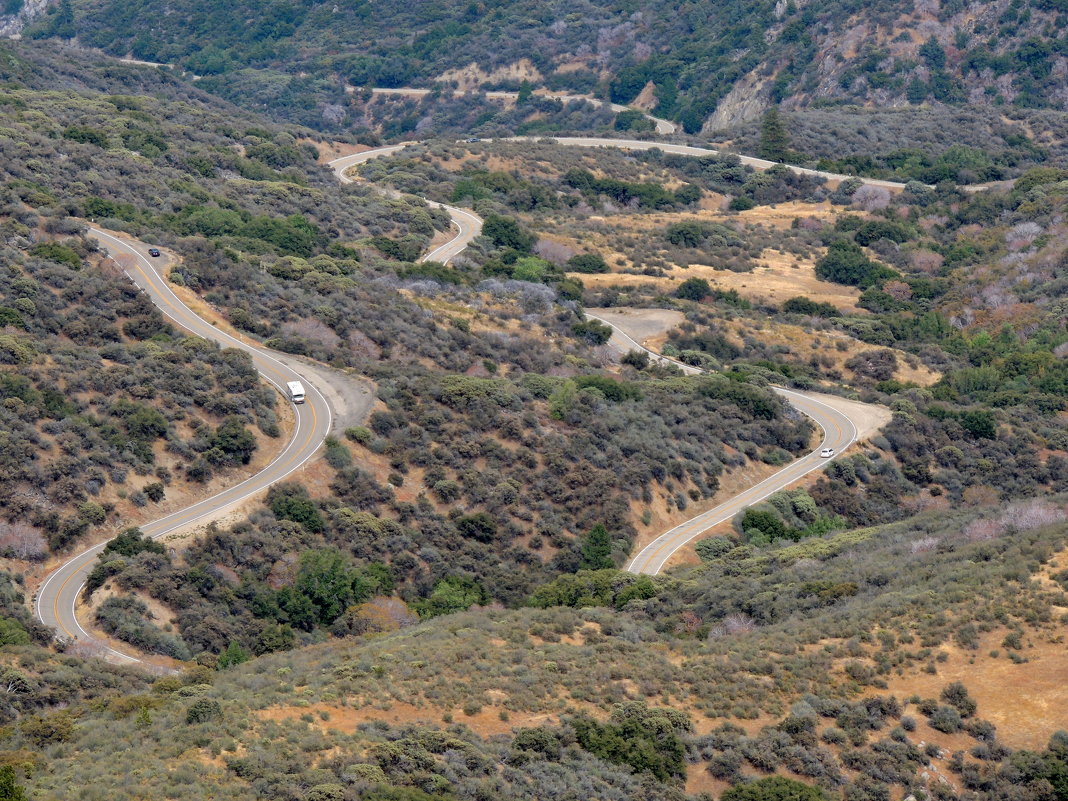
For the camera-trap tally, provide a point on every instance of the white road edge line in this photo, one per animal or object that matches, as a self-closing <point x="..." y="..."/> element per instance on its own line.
<point x="294" y="439"/>
<point x="642" y="560"/>
<point x="161" y="285"/>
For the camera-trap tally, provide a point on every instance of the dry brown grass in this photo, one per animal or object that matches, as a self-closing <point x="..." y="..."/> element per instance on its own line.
<point x="777" y="275"/>
<point x="804" y="343"/>
<point x="777" y="278"/>
<point x="473" y="76"/>
<point x="1028" y="701"/>
<point x="345" y="719"/>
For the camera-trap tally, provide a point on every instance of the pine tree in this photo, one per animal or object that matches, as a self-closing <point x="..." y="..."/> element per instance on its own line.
<point x="9" y="789"/>
<point x="774" y="139"/>
<point x="233" y="655"/>
<point x="526" y="91"/>
<point x="597" y="549"/>
<point x="144" y="718"/>
<point x="933" y="53"/>
<point x="63" y="22"/>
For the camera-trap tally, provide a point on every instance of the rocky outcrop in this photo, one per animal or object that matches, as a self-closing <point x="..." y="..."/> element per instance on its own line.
<point x="749" y="98"/>
<point x="12" y="25"/>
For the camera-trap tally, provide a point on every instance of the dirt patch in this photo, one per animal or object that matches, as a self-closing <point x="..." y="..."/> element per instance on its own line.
<point x="473" y="76"/>
<point x="776" y="275"/>
<point x="486" y="722"/>
<point x="648" y="327"/>
<point x="646" y="99"/>
<point x="782" y="215"/>
<point x="328" y="151"/>
<point x="776" y="278"/>
<point x="833" y="348"/>
<point x="1026" y="701"/>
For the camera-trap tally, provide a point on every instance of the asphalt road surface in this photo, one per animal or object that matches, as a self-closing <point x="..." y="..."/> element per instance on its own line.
<point x="467" y="224"/>
<point x="57" y="597"/>
<point x="843" y="422"/>
<point x="56" y="600"/>
<point x="663" y="127"/>
<point x="839" y="432"/>
<point x="690" y="150"/>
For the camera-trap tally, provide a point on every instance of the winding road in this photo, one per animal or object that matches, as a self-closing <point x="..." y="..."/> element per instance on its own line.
<point x="467" y="224"/>
<point x="843" y="422"/>
<point x="837" y="417"/>
<point x="56" y="600"/>
<point x="699" y="152"/>
<point x="662" y="126"/>
<point x="839" y="432"/>
<point x="57" y="597"/>
<point x="829" y="412"/>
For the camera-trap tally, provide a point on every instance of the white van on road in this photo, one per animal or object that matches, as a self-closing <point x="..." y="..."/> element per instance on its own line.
<point x="296" y="391"/>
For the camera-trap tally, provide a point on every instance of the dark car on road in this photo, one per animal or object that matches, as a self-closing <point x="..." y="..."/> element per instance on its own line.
<point x="153" y="252"/>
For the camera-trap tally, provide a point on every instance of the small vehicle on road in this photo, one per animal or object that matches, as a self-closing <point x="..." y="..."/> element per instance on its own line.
<point x="827" y="453"/>
<point x="295" y="390"/>
<point x="472" y="139"/>
<point x="153" y="252"/>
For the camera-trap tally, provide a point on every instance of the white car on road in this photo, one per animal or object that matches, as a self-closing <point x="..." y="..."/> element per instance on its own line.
<point x="827" y="453"/>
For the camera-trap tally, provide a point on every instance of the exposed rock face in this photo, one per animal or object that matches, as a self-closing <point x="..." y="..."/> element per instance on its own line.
<point x="746" y="101"/>
<point x="11" y="26"/>
<point x="646" y="99"/>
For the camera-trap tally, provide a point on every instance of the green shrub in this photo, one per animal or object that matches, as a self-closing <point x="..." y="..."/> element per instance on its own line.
<point x="945" y="719"/>
<point x="693" y="289"/>
<point x="643" y="738"/>
<point x="845" y="263"/>
<point x="712" y="548"/>
<point x="607" y="587"/>
<point x="12" y="632"/>
<point x="54" y="251"/>
<point x="203" y="710"/>
<point x="803" y="305"/>
<point x="291" y="502"/>
<point x="360" y="434"/>
<point x="587" y="263"/>
<point x="48" y="729"/>
<point x="773" y="788"/>
<point x="452" y="594"/>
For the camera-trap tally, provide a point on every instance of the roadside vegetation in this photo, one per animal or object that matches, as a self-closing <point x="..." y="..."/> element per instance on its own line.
<point x="812" y="633"/>
<point x="436" y="609"/>
<point x="106" y="408"/>
<point x="909" y="144"/>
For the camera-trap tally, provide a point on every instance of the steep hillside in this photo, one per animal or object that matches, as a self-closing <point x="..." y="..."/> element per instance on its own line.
<point x="435" y="610"/>
<point x="499" y="448"/>
<point x="478" y="487"/>
<point x="704" y="65"/>
<point x="110" y="414"/>
<point x="765" y="661"/>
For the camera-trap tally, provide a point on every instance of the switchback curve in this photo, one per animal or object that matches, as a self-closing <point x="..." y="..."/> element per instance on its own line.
<point x="56" y="600"/>
<point x="833" y="415"/>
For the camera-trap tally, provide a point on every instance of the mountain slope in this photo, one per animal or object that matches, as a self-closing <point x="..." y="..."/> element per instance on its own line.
<point x="698" y="63"/>
<point x="756" y="663"/>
